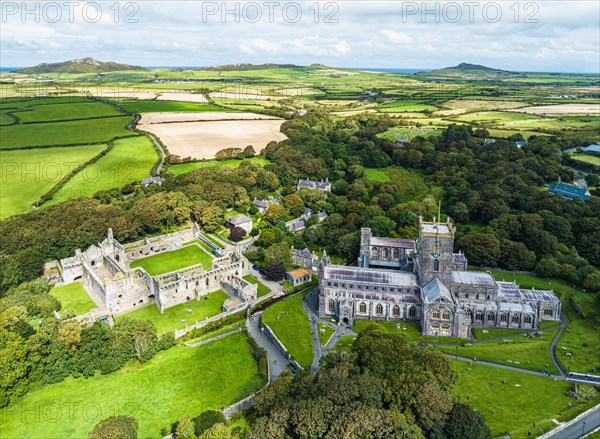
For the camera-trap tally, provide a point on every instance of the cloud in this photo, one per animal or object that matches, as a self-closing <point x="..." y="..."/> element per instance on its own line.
<point x="396" y="37"/>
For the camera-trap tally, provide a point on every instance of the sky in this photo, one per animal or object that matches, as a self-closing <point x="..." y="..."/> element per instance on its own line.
<point x="557" y="36"/>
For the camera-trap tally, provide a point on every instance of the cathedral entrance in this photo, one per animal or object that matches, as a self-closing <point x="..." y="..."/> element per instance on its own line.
<point x="345" y="321"/>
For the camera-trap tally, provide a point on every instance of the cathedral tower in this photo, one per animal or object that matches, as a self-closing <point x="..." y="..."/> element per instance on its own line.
<point x="436" y="244"/>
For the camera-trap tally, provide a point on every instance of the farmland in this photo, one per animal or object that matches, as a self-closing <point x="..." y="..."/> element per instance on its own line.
<point x="64" y="133"/>
<point x="57" y="112"/>
<point x="192" y="166"/>
<point x="150" y="106"/>
<point x="129" y="160"/>
<point x="26" y="174"/>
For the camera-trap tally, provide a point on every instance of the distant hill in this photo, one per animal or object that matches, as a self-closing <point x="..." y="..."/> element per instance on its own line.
<point x="84" y="65"/>
<point x="470" y="71"/>
<point x="239" y="67"/>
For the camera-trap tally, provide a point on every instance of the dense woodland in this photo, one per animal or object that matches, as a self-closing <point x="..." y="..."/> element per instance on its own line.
<point x="387" y="386"/>
<point x="493" y="193"/>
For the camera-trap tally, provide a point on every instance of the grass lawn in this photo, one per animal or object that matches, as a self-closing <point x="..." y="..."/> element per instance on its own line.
<point x="130" y="160"/>
<point x="262" y="289"/>
<point x="290" y="324"/>
<point x="174" y="260"/>
<point x="522" y="400"/>
<point x="408" y="132"/>
<point x="51" y="112"/>
<point x="325" y="333"/>
<point x="148" y="106"/>
<point x="344" y="343"/>
<point x="479" y="333"/>
<point x="64" y="133"/>
<point x="188" y="167"/>
<point x="518" y="351"/>
<point x="224" y="330"/>
<point x="586" y="158"/>
<point x="214" y="240"/>
<point x="412" y="185"/>
<point x="73" y="298"/>
<point x="26" y="175"/>
<point x="581" y="335"/>
<point x="405" y="105"/>
<point x="177" y="382"/>
<point x="202" y="244"/>
<point x="171" y="318"/>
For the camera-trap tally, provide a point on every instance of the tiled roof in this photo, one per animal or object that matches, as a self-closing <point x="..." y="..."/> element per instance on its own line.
<point x="436" y="289"/>
<point x="298" y="272"/>
<point x="569" y="191"/>
<point x="238" y="219"/>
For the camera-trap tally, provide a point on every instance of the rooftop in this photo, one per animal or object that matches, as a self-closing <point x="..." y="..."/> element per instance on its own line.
<point x="298" y="272"/>
<point x="356" y="274"/>
<point x="566" y="190"/>
<point x="393" y="242"/>
<point x="473" y="278"/>
<point x="437" y="229"/>
<point x="238" y="219"/>
<point x="435" y="289"/>
<point x="592" y="148"/>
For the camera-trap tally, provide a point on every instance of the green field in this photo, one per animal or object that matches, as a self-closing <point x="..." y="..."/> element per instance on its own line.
<point x="518" y="402"/>
<point x="290" y="324"/>
<point x="174" y="260"/>
<point x="171" y="318"/>
<point x="408" y="132"/>
<point x="586" y="158"/>
<point x="517" y="351"/>
<point x="64" y="133"/>
<point x="580" y="337"/>
<point x="344" y="343"/>
<point x="188" y="167"/>
<point x="52" y="112"/>
<point x="177" y="382"/>
<point x="325" y="333"/>
<point x="73" y="299"/>
<point x="262" y="289"/>
<point x="411" y="329"/>
<point x="405" y="106"/>
<point x="487" y="333"/>
<point x="412" y="185"/>
<point x="130" y="160"/>
<point x="496" y="117"/>
<point x="147" y="106"/>
<point x="26" y="175"/>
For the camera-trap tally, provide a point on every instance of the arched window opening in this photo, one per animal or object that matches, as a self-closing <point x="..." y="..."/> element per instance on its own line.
<point x="515" y="318"/>
<point x="331" y="305"/>
<point x="503" y="317"/>
<point x="412" y="312"/>
<point x="436" y="265"/>
<point x="379" y="309"/>
<point x="491" y="317"/>
<point x="527" y="319"/>
<point x="396" y="310"/>
<point x="446" y="315"/>
<point x="436" y="314"/>
<point x="362" y="307"/>
<point x="548" y="312"/>
<point x="479" y="315"/>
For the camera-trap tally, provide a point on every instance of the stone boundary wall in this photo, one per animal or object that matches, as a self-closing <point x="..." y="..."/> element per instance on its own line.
<point x="266" y="330"/>
<point x="181" y="332"/>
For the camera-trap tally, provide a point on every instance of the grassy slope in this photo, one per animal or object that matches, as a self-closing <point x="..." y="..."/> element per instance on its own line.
<point x="586" y="158"/>
<point x="64" y="133"/>
<point x="325" y="333"/>
<point x="188" y="167"/>
<point x="411" y="183"/>
<point x="50" y="112"/>
<point x="26" y="175"/>
<point x="292" y="328"/>
<point x="171" y="318"/>
<point x="174" y="260"/>
<point x="73" y="298"/>
<point x="516" y="408"/>
<point x="176" y="382"/>
<point x="129" y="160"/>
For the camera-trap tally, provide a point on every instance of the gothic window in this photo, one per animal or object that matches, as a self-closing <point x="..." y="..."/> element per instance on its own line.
<point x="515" y="318"/>
<point x="374" y="253"/>
<point x="396" y="254"/>
<point x="445" y="326"/>
<point x="331" y="305"/>
<point x="385" y="253"/>
<point x="548" y="311"/>
<point x="362" y="308"/>
<point x="527" y="319"/>
<point x="491" y="317"/>
<point x="477" y="296"/>
<point x="435" y="326"/>
<point x="479" y="315"/>
<point x="412" y="312"/>
<point x="379" y="309"/>
<point x="503" y="317"/>
<point x="446" y="315"/>
<point x="436" y="265"/>
<point x="488" y="297"/>
<point x="469" y="312"/>
<point x="467" y="296"/>
<point x="436" y="314"/>
<point x="396" y="310"/>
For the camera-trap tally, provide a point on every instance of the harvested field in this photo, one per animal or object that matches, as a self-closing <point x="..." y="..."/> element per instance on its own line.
<point x="203" y="139"/>
<point x="241" y="95"/>
<point x="185" y="97"/>
<point x="122" y="93"/>
<point x="592" y="108"/>
<point x="154" y="118"/>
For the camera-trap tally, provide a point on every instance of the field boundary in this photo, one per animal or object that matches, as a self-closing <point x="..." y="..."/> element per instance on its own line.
<point x="48" y="195"/>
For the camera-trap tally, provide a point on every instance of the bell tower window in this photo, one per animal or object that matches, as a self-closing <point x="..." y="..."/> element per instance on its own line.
<point x="436" y="265"/>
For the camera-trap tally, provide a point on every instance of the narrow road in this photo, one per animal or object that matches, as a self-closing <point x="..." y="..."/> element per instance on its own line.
<point x="277" y="362"/>
<point x="563" y="324"/>
<point x="310" y="306"/>
<point x="578" y="427"/>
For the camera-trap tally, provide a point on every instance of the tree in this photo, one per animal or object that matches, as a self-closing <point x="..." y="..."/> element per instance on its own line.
<point x="274" y="213"/>
<point x="279" y="253"/>
<point x="115" y="427"/>
<point x="14" y="367"/>
<point x="547" y="267"/>
<point x="208" y="216"/>
<point x="294" y="204"/>
<point x="592" y="281"/>
<point x="236" y="234"/>
<point x="185" y="428"/>
<point x="592" y="180"/>
<point x="275" y="271"/>
<point x="432" y="404"/>
<point x="464" y="422"/>
<point x="482" y="249"/>
<point x="206" y="420"/>
<point x="249" y="151"/>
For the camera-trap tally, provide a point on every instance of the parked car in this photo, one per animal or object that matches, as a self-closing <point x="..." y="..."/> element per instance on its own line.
<point x="256" y="267"/>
